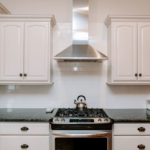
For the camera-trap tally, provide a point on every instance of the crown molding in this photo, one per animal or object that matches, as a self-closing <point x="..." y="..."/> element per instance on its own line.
<point x="3" y="10"/>
<point x="22" y="18"/>
<point x="116" y="18"/>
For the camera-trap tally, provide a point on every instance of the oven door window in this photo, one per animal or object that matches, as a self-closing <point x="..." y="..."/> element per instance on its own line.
<point x="81" y="144"/>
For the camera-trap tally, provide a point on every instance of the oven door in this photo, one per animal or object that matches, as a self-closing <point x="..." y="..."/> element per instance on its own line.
<point x="81" y="140"/>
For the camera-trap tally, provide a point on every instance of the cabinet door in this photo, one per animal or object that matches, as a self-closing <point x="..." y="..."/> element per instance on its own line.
<point x="11" y="50"/>
<point x="125" y="51"/>
<point x="16" y="142"/>
<point x="36" y="51"/>
<point x="131" y="142"/>
<point x="144" y="51"/>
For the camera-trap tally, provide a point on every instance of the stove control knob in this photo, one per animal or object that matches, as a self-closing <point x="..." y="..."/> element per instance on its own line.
<point x="63" y="120"/>
<point x="106" y="120"/>
<point x="99" y="120"/>
<point x="56" y="119"/>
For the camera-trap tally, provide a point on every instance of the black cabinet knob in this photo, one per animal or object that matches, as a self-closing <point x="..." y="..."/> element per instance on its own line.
<point x="24" y="146"/>
<point x="140" y="74"/>
<point x="136" y="74"/>
<point x="141" y="129"/>
<point x="141" y="146"/>
<point x="20" y="74"/>
<point x="25" y="74"/>
<point x="24" y="129"/>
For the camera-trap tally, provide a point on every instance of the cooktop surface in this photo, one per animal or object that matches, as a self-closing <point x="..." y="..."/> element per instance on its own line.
<point x="84" y="113"/>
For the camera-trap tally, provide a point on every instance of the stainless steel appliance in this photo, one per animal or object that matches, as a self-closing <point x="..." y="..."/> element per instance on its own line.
<point x="81" y="129"/>
<point x="80" y="50"/>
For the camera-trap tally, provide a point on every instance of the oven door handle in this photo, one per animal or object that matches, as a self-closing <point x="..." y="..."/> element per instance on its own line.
<point x="83" y="135"/>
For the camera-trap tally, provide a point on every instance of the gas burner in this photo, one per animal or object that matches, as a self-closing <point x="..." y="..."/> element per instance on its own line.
<point x="73" y="112"/>
<point x="75" y="115"/>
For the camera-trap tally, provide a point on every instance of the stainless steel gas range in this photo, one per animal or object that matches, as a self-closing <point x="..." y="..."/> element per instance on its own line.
<point x="81" y="129"/>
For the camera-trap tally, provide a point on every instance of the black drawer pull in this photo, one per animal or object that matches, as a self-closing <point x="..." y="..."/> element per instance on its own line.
<point x="141" y="146"/>
<point x="24" y="129"/>
<point x="141" y="129"/>
<point x="24" y="146"/>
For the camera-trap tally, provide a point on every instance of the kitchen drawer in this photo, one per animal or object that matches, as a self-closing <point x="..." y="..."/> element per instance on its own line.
<point x="131" y="129"/>
<point x="18" y="129"/>
<point x="131" y="142"/>
<point x="33" y="142"/>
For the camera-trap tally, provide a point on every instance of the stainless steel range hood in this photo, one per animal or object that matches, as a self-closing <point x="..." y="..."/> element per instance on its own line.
<point x="80" y="53"/>
<point x="80" y="50"/>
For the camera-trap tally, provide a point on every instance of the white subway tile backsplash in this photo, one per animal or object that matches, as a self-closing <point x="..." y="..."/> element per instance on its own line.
<point x="72" y="64"/>
<point x="75" y="69"/>
<point x="79" y="64"/>
<point x="62" y="26"/>
<point x="61" y="64"/>
<point x="94" y="69"/>
<point x="58" y="73"/>
<point x="65" y="69"/>
<point x="84" y="68"/>
<point x="1" y="88"/>
<point x="9" y="87"/>
<point x="69" y="26"/>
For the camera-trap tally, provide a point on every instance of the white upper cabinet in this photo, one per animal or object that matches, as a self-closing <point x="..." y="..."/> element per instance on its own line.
<point x="125" y="51"/>
<point x="25" y="49"/>
<point x="36" y="51"/>
<point x="128" y="50"/>
<point x="11" y="50"/>
<point x="144" y="51"/>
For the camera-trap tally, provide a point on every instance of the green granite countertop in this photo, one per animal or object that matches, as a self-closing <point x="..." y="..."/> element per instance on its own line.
<point x="128" y="115"/>
<point x="25" y="115"/>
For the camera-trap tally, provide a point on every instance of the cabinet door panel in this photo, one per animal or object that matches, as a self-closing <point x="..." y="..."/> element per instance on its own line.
<point x="16" y="128"/>
<point x="131" y="129"/>
<point x="125" y="51"/>
<point x="33" y="142"/>
<point x="11" y="50"/>
<point x="36" y="51"/>
<point x="144" y="50"/>
<point x="131" y="142"/>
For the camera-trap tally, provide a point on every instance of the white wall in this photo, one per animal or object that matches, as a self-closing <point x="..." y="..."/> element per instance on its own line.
<point x="72" y="79"/>
<point x="60" y="8"/>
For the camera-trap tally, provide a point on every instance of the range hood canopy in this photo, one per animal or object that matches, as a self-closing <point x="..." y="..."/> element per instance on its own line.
<point x="80" y="53"/>
<point x="80" y="50"/>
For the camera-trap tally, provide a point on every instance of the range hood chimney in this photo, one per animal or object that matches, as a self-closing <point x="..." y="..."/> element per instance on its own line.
<point x="80" y="50"/>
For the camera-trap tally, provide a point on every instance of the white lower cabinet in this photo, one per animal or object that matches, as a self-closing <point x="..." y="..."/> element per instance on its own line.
<point x="24" y="136"/>
<point x="131" y="136"/>
<point x="131" y="142"/>
<point x="138" y="129"/>
<point x="24" y="142"/>
<point x="24" y="129"/>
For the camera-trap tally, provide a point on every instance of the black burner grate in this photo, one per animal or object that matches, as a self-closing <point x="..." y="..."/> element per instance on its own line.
<point x="85" y="113"/>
